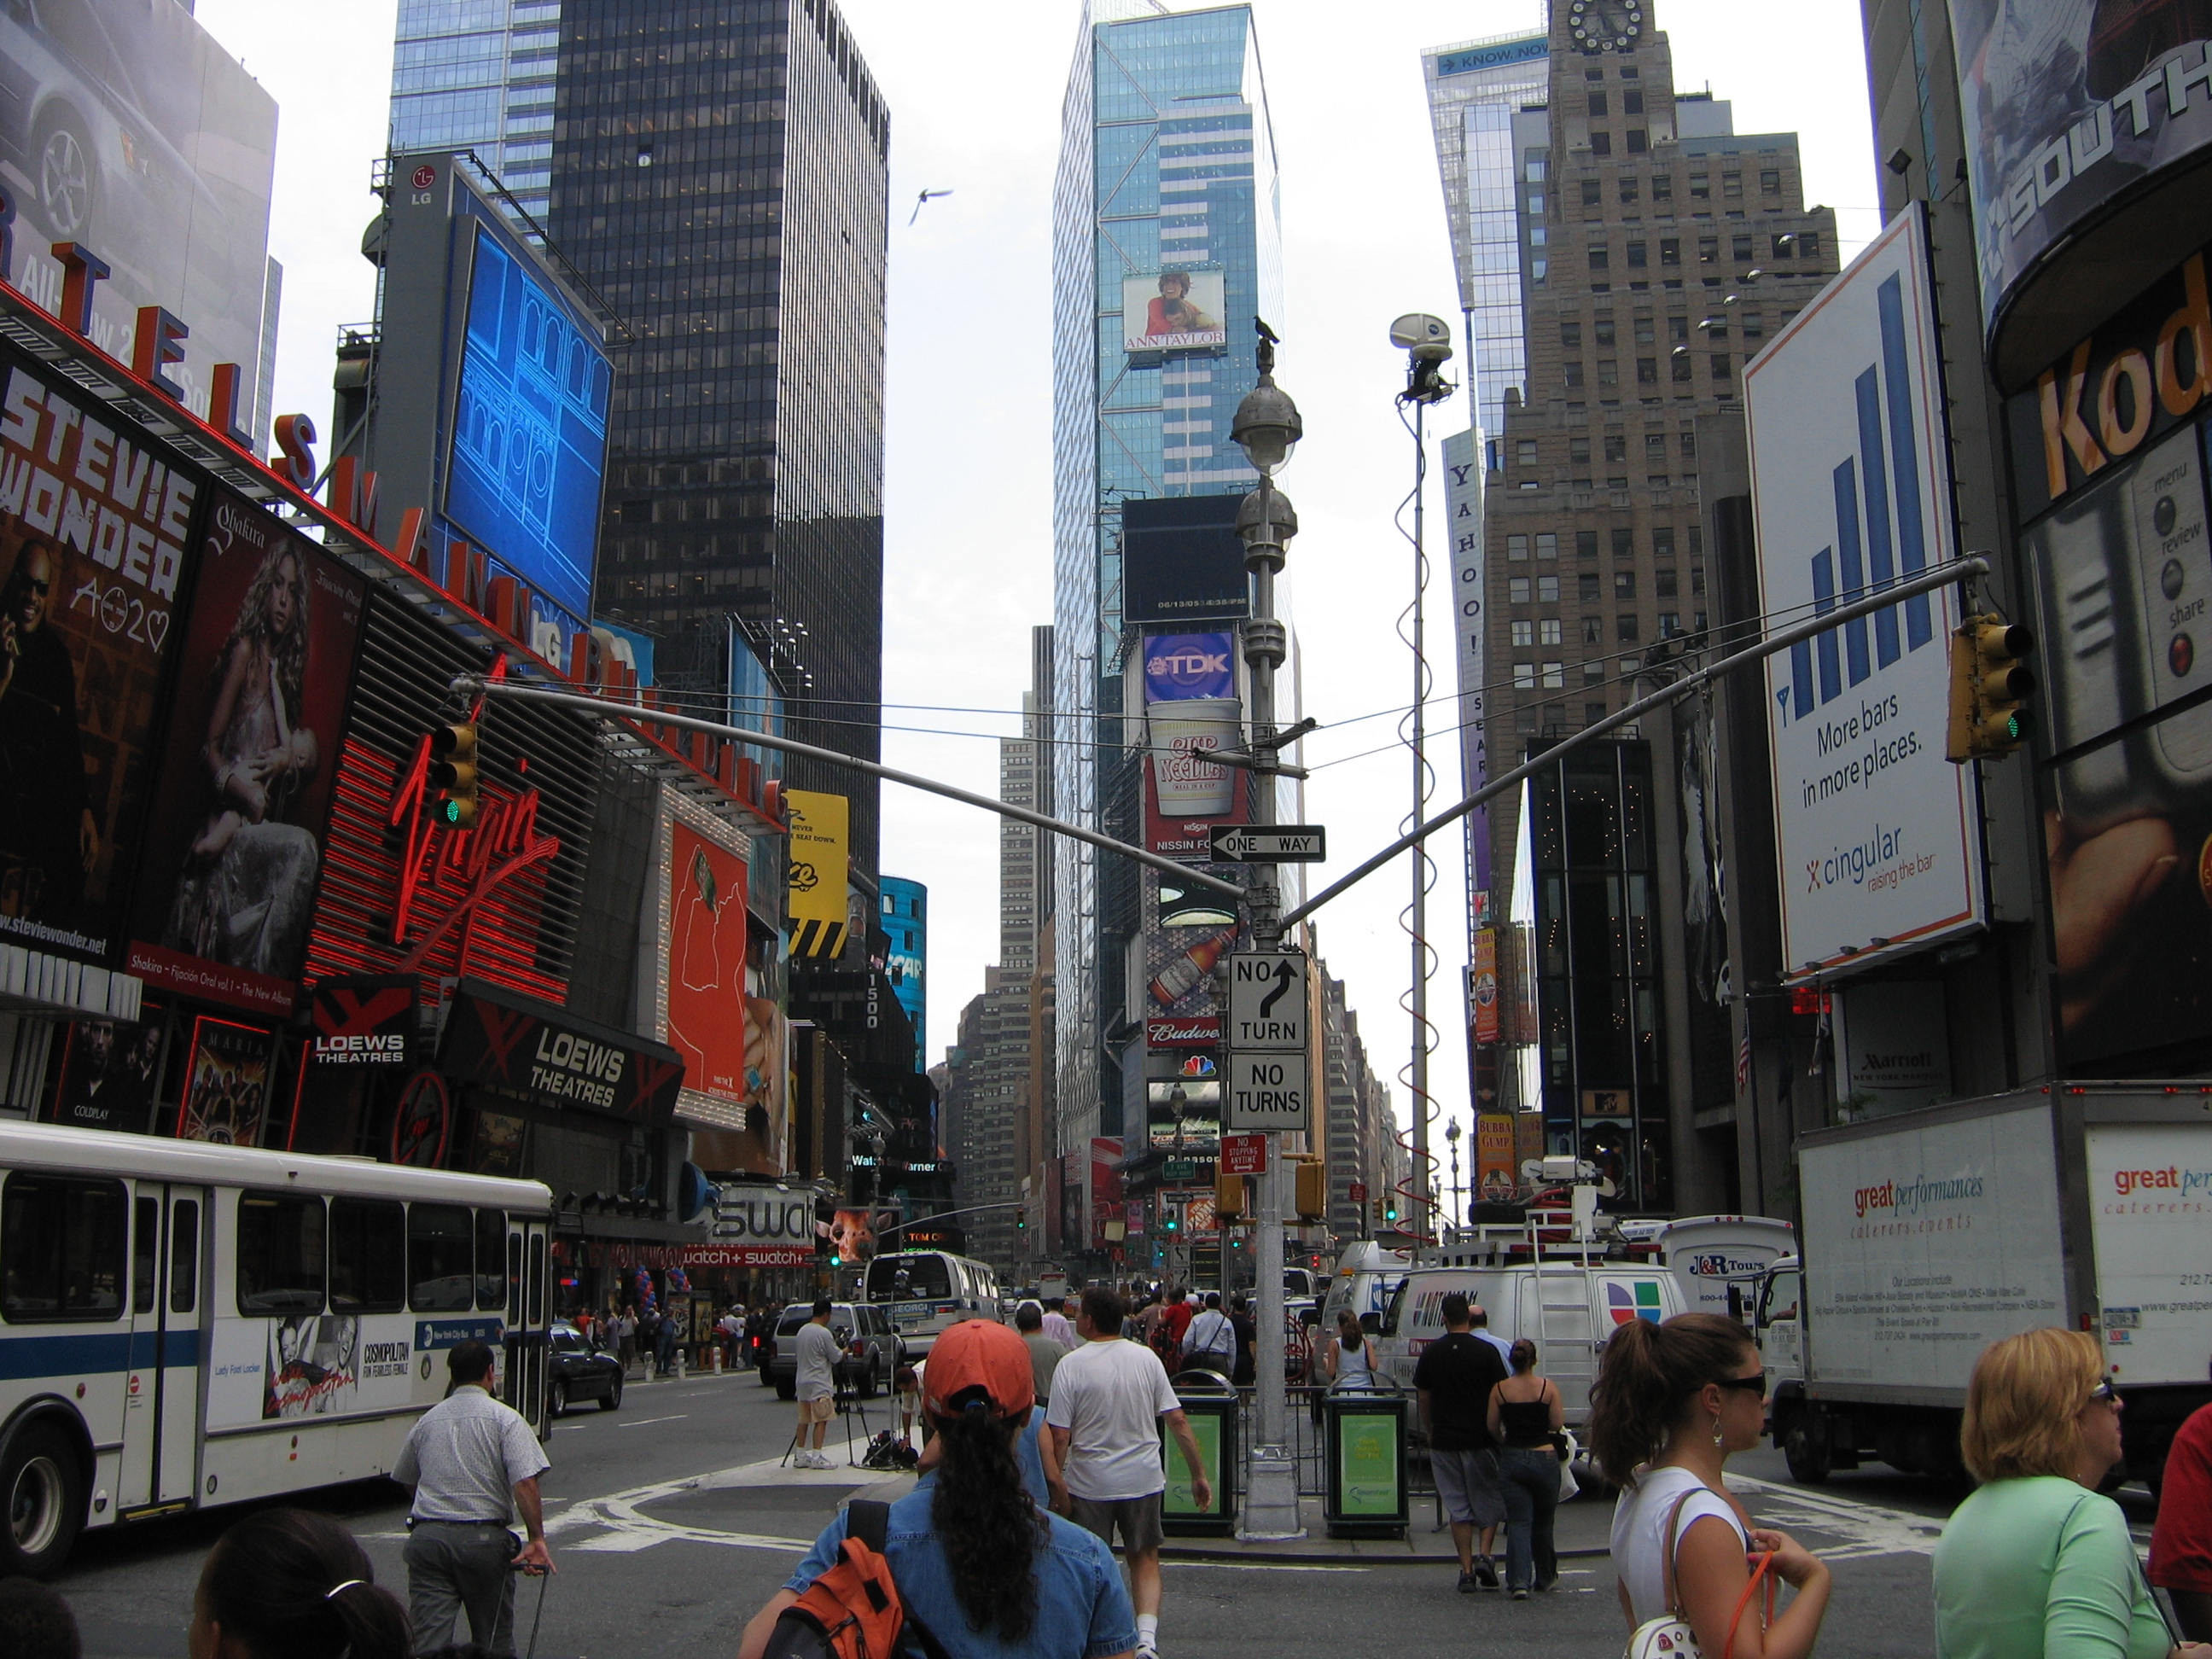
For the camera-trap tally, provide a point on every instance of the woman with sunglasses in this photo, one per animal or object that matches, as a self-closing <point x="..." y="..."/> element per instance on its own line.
<point x="1670" y="1403"/>
<point x="2036" y="1561"/>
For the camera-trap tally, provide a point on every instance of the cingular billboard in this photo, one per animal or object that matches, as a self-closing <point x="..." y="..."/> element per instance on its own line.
<point x="1876" y="833"/>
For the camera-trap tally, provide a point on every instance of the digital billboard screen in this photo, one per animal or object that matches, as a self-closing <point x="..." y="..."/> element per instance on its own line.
<point x="1181" y="560"/>
<point x="530" y="425"/>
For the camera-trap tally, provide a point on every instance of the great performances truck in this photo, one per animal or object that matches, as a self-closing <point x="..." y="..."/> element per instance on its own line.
<point x="1927" y="1235"/>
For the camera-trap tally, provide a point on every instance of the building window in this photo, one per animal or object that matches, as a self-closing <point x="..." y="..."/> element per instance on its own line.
<point x="1647" y="371"/>
<point x="1516" y="590"/>
<point x="1662" y="582"/>
<point x="1655" y="446"/>
<point x="1524" y="450"/>
<point x="1655" y="480"/>
<point x="1662" y="187"/>
<point x="1708" y="250"/>
<point x="1517" y="547"/>
<point x="1662" y="540"/>
<point x="1600" y="259"/>
<point x="1603" y="330"/>
<point x="1593" y="671"/>
<point x="1579" y="450"/>
<point x="1697" y="583"/>
<point x="1524" y="721"/>
<point x="1586" y="586"/>
<point x="1808" y="244"/>
<point x="1571" y="335"/>
<point x="1690" y="448"/>
<point x="1670" y="625"/>
<point x="1601" y="143"/>
<point x="1538" y="236"/>
<point x="1682" y="360"/>
<point x="1731" y="183"/>
<point x="1547" y="544"/>
<point x="1770" y="181"/>
<point x="1593" y="627"/>
<point x="1593" y="192"/>
<point x="1628" y="191"/>
<point x="1720" y="365"/>
<point x="1570" y="374"/>
<point x="1697" y="540"/>
<point x="1624" y="542"/>
<point x="1608" y="371"/>
<point x="1524" y="676"/>
<point x="1639" y="142"/>
<point x="1538" y="269"/>
<point x="1644" y="330"/>
<point x="1593" y="713"/>
<point x="1547" y="590"/>
<point x="1549" y="631"/>
<point x="1536" y="202"/>
<point x="1639" y="256"/>
<point x="1616" y="446"/>
<point x="1555" y="677"/>
<point x="1631" y="101"/>
<point x="1754" y="325"/>
<point x="1597" y="106"/>
<point x="1532" y="171"/>
<point x="1624" y="630"/>
<point x="1701" y="187"/>
<point x="1522" y="633"/>
<point x="1624" y="586"/>
<point x="1740" y="248"/>
<point x="1670" y="250"/>
<point x="1586" y="544"/>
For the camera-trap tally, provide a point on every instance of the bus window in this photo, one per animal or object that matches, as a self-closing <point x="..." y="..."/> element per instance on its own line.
<point x="280" y="1253"/>
<point x="369" y="1253"/>
<point x="533" y="1311"/>
<point x="909" y="1279"/>
<point x="183" y="1255"/>
<point x="145" y="1248"/>
<point x="491" y="1258"/>
<point x="441" y="1264"/>
<point x="63" y="1244"/>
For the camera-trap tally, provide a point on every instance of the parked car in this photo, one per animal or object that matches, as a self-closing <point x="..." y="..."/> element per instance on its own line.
<point x="580" y="1370"/>
<point x="872" y="1349"/>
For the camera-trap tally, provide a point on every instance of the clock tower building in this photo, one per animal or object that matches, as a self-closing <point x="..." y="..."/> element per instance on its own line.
<point x="1660" y="249"/>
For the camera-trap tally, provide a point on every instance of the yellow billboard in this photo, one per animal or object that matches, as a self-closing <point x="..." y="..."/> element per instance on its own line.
<point x="818" y="859"/>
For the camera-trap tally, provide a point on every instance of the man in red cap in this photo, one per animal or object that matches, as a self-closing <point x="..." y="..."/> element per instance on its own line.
<point x="1109" y="1399"/>
<point x="1046" y="1586"/>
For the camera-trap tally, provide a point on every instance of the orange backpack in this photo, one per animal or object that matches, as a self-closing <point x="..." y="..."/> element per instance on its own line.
<point x="854" y="1610"/>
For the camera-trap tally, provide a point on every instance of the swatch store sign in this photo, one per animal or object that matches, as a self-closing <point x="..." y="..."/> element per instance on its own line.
<point x="763" y="1226"/>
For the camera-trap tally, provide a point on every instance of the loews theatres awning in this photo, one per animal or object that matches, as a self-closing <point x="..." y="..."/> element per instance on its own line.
<point x="502" y="1040"/>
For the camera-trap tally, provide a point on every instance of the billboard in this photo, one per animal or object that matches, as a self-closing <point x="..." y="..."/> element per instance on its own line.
<point x="819" y="868"/>
<point x="1174" y="311"/>
<point x="126" y="128"/>
<point x="235" y="837"/>
<point x="2109" y="464"/>
<point x="706" y="962"/>
<point x="906" y="921"/>
<point x="530" y="424"/>
<point x="2065" y="107"/>
<point x="1191" y="706"/>
<point x="546" y="1054"/>
<point x="1463" y="508"/>
<point x="94" y="526"/>
<point x="225" y="1084"/>
<point x="110" y="1071"/>
<point x="1877" y="834"/>
<point x="1182" y="560"/>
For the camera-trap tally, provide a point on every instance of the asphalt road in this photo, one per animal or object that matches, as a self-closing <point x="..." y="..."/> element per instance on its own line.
<point x="670" y="1524"/>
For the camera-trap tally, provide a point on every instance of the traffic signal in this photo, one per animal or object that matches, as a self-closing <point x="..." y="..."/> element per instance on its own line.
<point x="1228" y="1196"/>
<point x="1390" y="1209"/>
<point x="1171" y="1218"/>
<point x="1312" y="1190"/>
<point x="453" y="775"/>
<point x="1021" y="1219"/>
<point x="1990" y="687"/>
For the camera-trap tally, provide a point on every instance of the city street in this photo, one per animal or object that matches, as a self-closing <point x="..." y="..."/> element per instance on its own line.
<point x="670" y="1523"/>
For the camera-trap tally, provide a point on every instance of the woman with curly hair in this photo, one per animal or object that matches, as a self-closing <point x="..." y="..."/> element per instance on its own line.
<point x="243" y="897"/>
<point x="977" y="1563"/>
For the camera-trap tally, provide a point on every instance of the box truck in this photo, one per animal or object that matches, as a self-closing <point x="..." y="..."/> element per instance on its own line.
<point x="1927" y="1236"/>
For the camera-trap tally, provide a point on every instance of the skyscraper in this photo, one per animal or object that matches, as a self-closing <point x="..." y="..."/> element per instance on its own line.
<point x="1167" y="166"/>
<point x="480" y="76"/>
<point x="1659" y="250"/>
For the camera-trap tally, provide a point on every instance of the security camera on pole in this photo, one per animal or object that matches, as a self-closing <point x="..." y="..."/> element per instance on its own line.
<point x="1267" y="427"/>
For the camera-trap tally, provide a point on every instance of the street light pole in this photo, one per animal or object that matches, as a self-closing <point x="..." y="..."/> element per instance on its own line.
<point x="1267" y="426"/>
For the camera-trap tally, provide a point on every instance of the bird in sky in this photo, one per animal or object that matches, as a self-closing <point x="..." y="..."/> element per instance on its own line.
<point x="919" y="199"/>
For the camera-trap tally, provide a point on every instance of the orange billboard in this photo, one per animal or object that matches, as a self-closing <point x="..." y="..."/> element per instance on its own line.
<point x="707" y="963"/>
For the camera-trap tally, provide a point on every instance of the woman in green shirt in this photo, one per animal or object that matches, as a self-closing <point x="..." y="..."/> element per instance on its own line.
<point x="2036" y="1562"/>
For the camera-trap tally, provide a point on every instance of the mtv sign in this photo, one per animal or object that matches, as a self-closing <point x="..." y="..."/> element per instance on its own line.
<point x="1877" y="833"/>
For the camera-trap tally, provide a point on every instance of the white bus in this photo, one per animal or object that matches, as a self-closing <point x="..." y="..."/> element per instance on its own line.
<point x="929" y="1290"/>
<point x="183" y="1324"/>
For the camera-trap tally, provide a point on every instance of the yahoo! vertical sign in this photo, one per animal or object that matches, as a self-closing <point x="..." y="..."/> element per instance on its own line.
<point x="1877" y="833"/>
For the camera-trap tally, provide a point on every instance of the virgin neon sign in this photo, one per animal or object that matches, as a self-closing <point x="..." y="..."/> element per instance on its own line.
<point x="504" y="844"/>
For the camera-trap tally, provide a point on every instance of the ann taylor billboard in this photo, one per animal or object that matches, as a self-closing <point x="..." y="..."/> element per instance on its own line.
<point x="1876" y="830"/>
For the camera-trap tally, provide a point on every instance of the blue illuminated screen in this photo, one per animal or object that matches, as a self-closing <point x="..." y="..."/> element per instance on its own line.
<point x="530" y="431"/>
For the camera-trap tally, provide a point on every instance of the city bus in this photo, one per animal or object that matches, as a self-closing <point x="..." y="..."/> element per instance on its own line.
<point x="929" y="1290"/>
<point x="185" y="1324"/>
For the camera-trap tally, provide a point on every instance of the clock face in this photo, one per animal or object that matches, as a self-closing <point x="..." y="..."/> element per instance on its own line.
<point x="1605" y="25"/>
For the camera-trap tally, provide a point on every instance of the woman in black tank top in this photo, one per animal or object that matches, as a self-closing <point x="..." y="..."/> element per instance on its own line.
<point x="1525" y="1412"/>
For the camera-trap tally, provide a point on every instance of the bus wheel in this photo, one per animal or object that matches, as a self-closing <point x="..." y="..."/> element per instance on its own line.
<point x="45" y="1491"/>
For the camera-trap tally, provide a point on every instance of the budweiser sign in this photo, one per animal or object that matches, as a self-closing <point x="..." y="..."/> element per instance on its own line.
<point x="1195" y="1031"/>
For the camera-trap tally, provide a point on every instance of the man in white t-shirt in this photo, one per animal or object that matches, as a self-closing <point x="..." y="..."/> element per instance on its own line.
<point x="1109" y="1399"/>
<point x="815" y="1378"/>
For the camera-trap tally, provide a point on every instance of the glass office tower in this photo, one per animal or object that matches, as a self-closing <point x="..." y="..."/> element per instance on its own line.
<point x="478" y="75"/>
<point x="1167" y="164"/>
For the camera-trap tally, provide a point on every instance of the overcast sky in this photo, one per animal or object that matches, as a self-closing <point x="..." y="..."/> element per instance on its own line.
<point x="975" y="89"/>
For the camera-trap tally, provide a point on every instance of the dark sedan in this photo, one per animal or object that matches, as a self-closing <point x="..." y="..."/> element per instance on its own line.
<point x="581" y="1372"/>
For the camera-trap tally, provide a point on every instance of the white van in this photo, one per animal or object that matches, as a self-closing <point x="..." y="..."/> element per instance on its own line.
<point x="1366" y="1274"/>
<point x="1567" y="1309"/>
<point x="1720" y="1260"/>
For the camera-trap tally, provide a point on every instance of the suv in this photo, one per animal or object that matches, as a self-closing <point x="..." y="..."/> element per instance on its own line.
<point x="872" y="1349"/>
<point x="580" y="1370"/>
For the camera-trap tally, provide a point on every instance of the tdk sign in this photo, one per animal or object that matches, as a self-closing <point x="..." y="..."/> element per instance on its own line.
<point x="1181" y="666"/>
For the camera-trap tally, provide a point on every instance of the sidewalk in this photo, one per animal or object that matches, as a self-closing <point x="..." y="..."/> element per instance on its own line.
<point x="1581" y="1530"/>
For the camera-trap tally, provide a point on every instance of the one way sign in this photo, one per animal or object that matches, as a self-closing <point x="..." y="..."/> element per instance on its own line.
<point x="1268" y="1002"/>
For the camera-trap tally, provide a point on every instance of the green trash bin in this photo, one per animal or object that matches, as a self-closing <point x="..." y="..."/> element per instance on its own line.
<point x="1210" y="1404"/>
<point x="1366" y="1444"/>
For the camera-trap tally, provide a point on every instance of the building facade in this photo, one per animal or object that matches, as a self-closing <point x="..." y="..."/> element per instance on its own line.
<point x="479" y="75"/>
<point x="1659" y="250"/>
<point x="905" y="906"/>
<point x="987" y="1077"/>
<point x="1359" y="1124"/>
<point x="1166" y="175"/>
